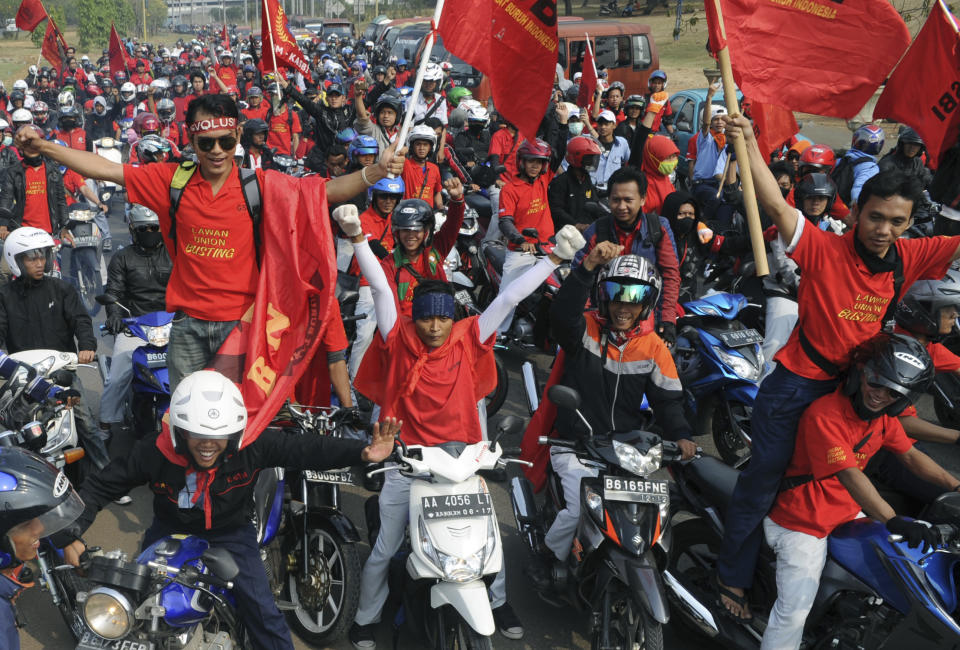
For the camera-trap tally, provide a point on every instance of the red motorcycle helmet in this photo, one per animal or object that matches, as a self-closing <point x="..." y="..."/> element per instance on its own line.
<point x="533" y="150"/>
<point x="583" y="152"/>
<point x="146" y="123"/>
<point x="819" y="157"/>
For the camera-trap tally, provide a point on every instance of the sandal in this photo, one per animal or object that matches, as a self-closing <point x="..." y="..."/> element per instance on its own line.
<point x="723" y="592"/>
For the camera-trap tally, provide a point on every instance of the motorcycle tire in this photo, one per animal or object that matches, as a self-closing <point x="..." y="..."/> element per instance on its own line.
<point x="457" y="633"/>
<point x="335" y="566"/>
<point x="498" y="395"/>
<point x="731" y="446"/>
<point x="67" y="584"/>
<point x="632" y="627"/>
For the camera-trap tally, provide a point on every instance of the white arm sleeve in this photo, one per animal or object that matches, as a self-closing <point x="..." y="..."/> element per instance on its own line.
<point x="383" y="301"/>
<point x="511" y="295"/>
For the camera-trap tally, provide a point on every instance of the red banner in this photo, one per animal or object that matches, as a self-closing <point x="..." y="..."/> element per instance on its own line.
<point x="226" y="38"/>
<point x="715" y="36"/>
<point x="275" y="32"/>
<point x="515" y="45"/>
<point x="924" y="90"/>
<point x="588" y="78"/>
<point x="269" y="350"/>
<point x="118" y="55"/>
<point x="30" y="14"/>
<point x="54" y="46"/>
<point x="814" y="56"/>
<point x="774" y="126"/>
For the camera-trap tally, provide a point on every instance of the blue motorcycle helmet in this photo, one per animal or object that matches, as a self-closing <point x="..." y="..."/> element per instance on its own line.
<point x="393" y="187"/>
<point x="362" y="145"/>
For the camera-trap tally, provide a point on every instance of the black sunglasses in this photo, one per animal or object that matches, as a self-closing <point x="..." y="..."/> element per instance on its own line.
<point x="153" y="228"/>
<point x="226" y="142"/>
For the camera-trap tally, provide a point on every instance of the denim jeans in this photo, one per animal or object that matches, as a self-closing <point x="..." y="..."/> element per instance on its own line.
<point x="193" y="343"/>
<point x="781" y="400"/>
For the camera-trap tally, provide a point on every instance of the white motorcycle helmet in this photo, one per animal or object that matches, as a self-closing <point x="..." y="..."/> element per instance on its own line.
<point x="422" y="132"/>
<point x="21" y="116"/>
<point x="20" y="84"/>
<point x="433" y="72"/>
<point x="65" y="98"/>
<point x="23" y="240"/>
<point x="128" y="91"/>
<point x="207" y="405"/>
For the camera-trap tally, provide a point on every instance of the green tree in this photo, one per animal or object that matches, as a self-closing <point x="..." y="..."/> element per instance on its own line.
<point x="156" y="15"/>
<point x="58" y="18"/>
<point x="94" y="17"/>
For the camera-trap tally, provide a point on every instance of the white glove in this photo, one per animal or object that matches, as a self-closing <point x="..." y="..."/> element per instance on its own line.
<point x="569" y="241"/>
<point x="348" y="219"/>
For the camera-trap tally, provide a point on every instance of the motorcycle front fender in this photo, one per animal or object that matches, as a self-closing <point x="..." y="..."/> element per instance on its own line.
<point x="745" y="393"/>
<point x="646" y="584"/>
<point x="470" y="600"/>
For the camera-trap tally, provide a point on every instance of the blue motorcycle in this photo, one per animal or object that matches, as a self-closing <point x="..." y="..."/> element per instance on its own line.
<point x="720" y="361"/>
<point x="875" y="592"/>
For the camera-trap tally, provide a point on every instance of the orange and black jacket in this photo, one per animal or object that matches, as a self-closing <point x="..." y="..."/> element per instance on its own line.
<point x="612" y="378"/>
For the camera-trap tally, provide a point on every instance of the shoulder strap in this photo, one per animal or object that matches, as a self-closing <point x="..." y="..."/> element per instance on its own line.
<point x="654" y="231"/>
<point x="181" y="177"/>
<point x="814" y="355"/>
<point x="790" y="482"/>
<point x="897" y="287"/>
<point x="250" y="185"/>
<point x="430" y="111"/>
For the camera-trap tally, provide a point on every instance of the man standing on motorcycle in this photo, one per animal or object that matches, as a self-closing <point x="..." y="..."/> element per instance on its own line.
<point x="429" y="371"/>
<point x="856" y="280"/>
<point x="611" y="382"/>
<point x="210" y="293"/>
<point x="137" y="278"/>
<point x="202" y="476"/>
<point x="42" y="312"/>
<point x="825" y="485"/>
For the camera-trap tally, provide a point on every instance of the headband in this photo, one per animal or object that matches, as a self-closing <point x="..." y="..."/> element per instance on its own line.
<point x="433" y="304"/>
<point x="214" y="124"/>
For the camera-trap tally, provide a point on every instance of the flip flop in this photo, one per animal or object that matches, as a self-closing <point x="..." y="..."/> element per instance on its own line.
<point x="723" y="592"/>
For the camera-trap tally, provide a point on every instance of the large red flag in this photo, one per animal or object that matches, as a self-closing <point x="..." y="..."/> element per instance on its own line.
<point x="54" y="45"/>
<point x="118" y="56"/>
<point x="30" y="14"/>
<point x="515" y="45"/>
<point x="815" y="56"/>
<point x="266" y="354"/>
<point x="924" y="90"/>
<point x="773" y="125"/>
<point x="588" y="78"/>
<point x="274" y="29"/>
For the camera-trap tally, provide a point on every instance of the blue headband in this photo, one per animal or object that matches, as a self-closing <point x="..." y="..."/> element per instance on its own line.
<point x="433" y="304"/>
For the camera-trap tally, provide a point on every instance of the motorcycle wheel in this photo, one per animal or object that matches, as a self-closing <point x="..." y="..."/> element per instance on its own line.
<point x="325" y="607"/>
<point x="631" y="629"/>
<point x="86" y="268"/>
<point x="727" y="434"/>
<point x="67" y="584"/>
<point x="457" y="633"/>
<point x="498" y="395"/>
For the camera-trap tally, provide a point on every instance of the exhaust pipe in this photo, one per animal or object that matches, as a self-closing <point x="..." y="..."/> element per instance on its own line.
<point x="692" y="608"/>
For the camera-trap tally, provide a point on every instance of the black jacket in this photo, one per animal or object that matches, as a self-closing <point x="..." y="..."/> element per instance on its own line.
<point x="13" y="196"/>
<point x="330" y="121"/>
<point x="569" y="200"/>
<point x="231" y="491"/>
<point x="44" y="314"/>
<point x="138" y="278"/>
<point x="894" y="159"/>
<point x="100" y="126"/>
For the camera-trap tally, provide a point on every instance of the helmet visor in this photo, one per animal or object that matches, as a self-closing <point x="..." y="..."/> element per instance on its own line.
<point x="54" y="520"/>
<point x="590" y="162"/>
<point x="636" y="294"/>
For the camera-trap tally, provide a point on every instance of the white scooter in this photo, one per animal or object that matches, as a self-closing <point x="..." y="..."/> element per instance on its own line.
<point x="454" y="536"/>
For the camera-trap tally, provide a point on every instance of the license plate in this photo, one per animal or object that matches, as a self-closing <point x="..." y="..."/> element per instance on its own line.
<point x="740" y="338"/>
<point x="635" y="490"/>
<point x="85" y="242"/>
<point x="463" y="298"/>
<point x="337" y="476"/>
<point x="449" y="506"/>
<point x="90" y="641"/>
<point x="156" y="359"/>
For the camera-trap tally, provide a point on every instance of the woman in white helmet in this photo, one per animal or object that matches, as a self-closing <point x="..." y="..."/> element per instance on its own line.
<point x="202" y="471"/>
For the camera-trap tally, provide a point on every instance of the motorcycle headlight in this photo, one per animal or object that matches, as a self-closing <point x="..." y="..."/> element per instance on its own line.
<point x="108" y="613"/>
<point x="632" y="460"/>
<point x="58" y="433"/>
<point x="44" y="366"/>
<point x="454" y="568"/>
<point x="158" y="336"/>
<point x="743" y="368"/>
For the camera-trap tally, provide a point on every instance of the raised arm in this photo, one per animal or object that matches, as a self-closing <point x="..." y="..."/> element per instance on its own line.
<point x="85" y="163"/>
<point x="343" y="188"/>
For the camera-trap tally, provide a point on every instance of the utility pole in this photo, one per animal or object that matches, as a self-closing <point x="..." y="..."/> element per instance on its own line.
<point x="144" y="9"/>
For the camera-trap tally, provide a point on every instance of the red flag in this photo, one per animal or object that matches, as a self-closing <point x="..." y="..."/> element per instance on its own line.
<point x="838" y="52"/>
<point x="773" y="125"/>
<point x="922" y="91"/>
<point x="118" y="55"/>
<point x="588" y="78"/>
<point x="515" y="45"/>
<point x="274" y="29"/>
<point x="716" y="40"/>
<point x="226" y="38"/>
<point x="54" y="45"/>
<point x="266" y="354"/>
<point x="30" y="14"/>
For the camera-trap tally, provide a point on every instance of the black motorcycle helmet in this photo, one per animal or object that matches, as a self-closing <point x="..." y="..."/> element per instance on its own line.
<point x="896" y="362"/>
<point x="413" y="214"/>
<point x="815" y="185"/>
<point x="919" y="311"/>
<point x="145" y="227"/>
<point x="252" y="127"/>
<point x="69" y="117"/>
<point x="389" y="100"/>
<point x="908" y="136"/>
<point x="34" y="494"/>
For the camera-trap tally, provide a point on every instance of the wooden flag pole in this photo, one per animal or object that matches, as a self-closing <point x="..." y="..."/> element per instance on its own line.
<point x="740" y="147"/>
<point x="424" y="60"/>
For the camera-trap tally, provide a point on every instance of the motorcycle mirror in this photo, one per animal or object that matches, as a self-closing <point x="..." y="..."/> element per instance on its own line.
<point x="564" y="397"/>
<point x="509" y="424"/>
<point x="221" y="562"/>
<point x="106" y="299"/>
<point x="530" y="232"/>
<point x="33" y="435"/>
<point x="62" y="377"/>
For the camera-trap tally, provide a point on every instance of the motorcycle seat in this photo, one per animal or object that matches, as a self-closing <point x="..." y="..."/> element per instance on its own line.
<point x="715" y="479"/>
<point x="495" y="252"/>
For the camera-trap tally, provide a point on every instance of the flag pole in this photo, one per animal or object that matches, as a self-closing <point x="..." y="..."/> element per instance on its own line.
<point x="740" y="147"/>
<point x="424" y="60"/>
<point x="264" y="15"/>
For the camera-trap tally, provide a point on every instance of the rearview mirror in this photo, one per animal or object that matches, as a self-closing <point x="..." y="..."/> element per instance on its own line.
<point x="509" y="425"/>
<point x="106" y="299"/>
<point x="564" y="397"/>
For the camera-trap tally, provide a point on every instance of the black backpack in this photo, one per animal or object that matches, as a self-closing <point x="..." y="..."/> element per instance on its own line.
<point x="842" y="176"/>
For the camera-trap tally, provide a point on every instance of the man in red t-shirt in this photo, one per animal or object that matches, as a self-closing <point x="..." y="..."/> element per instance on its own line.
<point x="215" y="274"/>
<point x="844" y="297"/>
<point x="256" y="109"/>
<point x="226" y="70"/>
<point x="421" y="178"/>
<point x="825" y="486"/>
<point x="285" y="130"/>
<point x="32" y="194"/>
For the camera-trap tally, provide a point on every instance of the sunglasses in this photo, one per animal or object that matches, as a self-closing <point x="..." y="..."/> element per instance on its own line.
<point x="635" y="294"/>
<point x="226" y="142"/>
<point x="153" y="228"/>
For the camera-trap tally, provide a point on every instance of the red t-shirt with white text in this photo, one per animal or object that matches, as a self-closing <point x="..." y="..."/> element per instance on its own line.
<point x="36" y="211"/>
